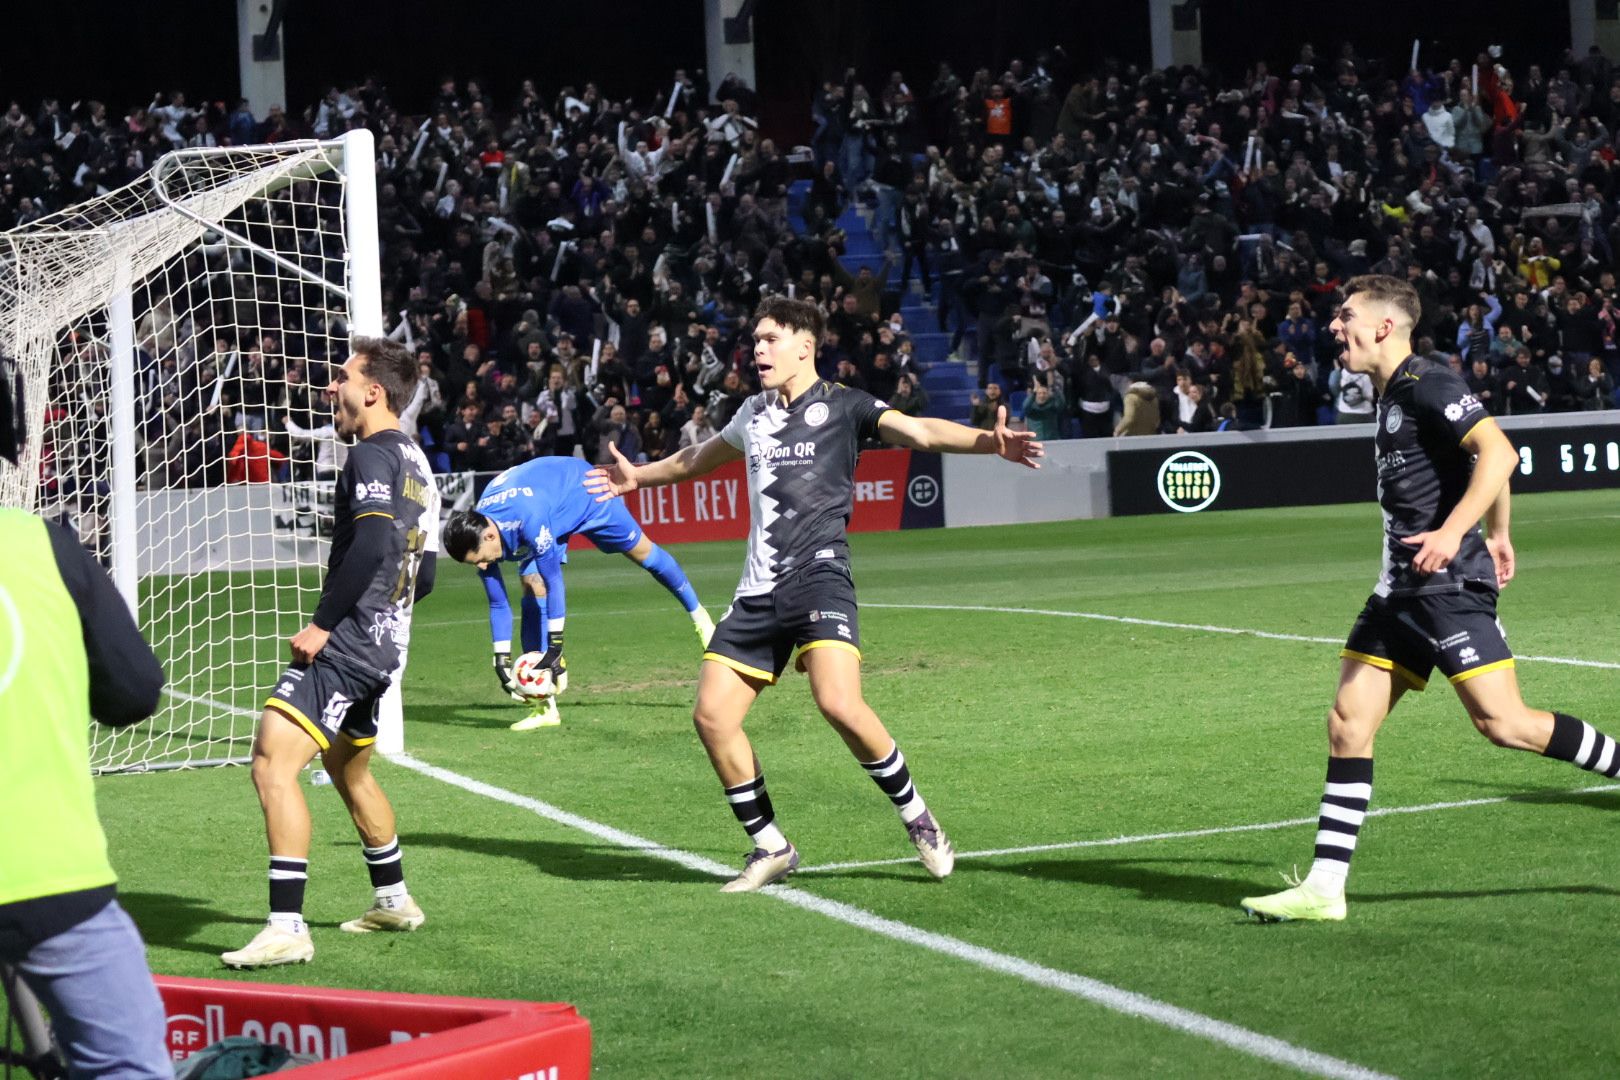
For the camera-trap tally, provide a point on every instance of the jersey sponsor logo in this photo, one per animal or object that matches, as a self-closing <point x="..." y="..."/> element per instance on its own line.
<point x="825" y="553"/>
<point x="544" y="542"/>
<point x="1391" y="462"/>
<point x="1468" y="655"/>
<point x="1462" y="407"/>
<point x="1188" y="481"/>
<point x="816" y="414"/>
<point x="799" y="453"/>
<point x="373" y="491"/>
<point x="1392" y="422"/>
<point x="923" y="491"/>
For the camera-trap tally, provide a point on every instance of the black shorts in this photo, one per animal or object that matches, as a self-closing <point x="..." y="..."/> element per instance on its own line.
<point x="330" y="698"/>
<point x="813" y="609"/>
<point x="1458" y="632"/>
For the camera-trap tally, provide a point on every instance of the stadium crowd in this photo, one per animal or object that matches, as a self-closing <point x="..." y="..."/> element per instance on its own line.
<point x="1121" y="251"/>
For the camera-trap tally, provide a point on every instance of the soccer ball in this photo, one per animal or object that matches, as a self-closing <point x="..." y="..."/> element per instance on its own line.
<point x="532" y="676"/>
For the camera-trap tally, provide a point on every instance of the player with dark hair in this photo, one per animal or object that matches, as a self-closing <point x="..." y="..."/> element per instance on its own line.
<point x="799" y="438"/>
<point x="528" y="513"/>
<point x="386" y="516"/>
<point x="1443" y="464"/>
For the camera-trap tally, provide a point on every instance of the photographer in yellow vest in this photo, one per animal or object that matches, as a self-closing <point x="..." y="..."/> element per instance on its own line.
<point x="69" y="650"/>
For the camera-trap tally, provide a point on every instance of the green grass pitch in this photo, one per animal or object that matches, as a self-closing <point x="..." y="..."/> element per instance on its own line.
<point x="1480" y="940"/>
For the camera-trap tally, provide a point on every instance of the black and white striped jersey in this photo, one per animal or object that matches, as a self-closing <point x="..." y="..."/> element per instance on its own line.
<point x="801" y="476"/>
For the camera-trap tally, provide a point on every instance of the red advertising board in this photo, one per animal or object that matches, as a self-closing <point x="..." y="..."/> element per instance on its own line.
<point x="359" y="1034"/>
<point x="894" y="489"/>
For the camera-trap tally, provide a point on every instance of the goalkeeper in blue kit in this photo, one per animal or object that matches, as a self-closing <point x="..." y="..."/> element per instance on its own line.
<point x="527" y="514"/>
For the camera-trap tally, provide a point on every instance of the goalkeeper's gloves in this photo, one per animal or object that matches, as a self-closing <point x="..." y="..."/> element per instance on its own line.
<point x="503" y="672"/>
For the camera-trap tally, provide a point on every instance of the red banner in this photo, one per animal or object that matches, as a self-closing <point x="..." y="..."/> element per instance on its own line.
<point x="363" y="1034"/>
<point x="715" y="507"/>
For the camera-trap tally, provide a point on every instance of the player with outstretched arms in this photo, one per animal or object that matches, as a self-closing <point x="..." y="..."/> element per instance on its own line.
<point x="527" y="514"/>
<point x="1443" y="464"/>
<point x="800" y="438"/>
<point x="385" y="541"/>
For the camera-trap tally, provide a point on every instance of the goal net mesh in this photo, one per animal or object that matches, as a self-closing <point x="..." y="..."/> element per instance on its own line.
<point x="234" y="262"/>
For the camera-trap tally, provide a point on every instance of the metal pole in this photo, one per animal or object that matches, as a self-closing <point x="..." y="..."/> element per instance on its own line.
<point x="124" y="464"/>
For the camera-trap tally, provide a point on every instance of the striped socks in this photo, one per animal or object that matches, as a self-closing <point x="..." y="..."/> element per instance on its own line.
<point x="891" y="775"/>
<point x="287" y="880"/>
<point x="1344" y="808"/>
<point x="387" y="874"/>
<point x="752" y="806"/>
<point x="1576" y="741"/>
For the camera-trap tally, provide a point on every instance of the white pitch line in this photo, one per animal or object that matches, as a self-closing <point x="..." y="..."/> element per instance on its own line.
<point x="1202" y="627"/>
<point x="1264" y="826"/>
<point x="1095" y="991"/>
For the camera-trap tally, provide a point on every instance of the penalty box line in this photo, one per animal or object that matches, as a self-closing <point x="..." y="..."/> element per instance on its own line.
<point x="1108" y="996"/>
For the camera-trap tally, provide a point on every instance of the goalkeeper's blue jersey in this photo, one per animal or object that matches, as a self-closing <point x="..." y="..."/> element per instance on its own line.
<point x="538" y="505"/>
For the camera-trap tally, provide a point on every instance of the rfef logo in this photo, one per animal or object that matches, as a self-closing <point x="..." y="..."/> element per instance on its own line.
<point x="923" y="491"/>
<point x="1188" y="481"/>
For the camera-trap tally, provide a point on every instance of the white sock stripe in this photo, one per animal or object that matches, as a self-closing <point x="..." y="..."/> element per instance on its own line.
<point x="904" y="795"/>
<point x="751" y="795"/>
<point x="1605" y="754"/>
<point x="875" y="772"/>
<point x="1329" y="838"/>
<point x="1339" y="813"/>
<point x="373" y="861"/>
<point x="1588" y="737"/>
<point x="288" y="875"/>
<point x="1349" y="791"/>
<point x="391" y="845"/>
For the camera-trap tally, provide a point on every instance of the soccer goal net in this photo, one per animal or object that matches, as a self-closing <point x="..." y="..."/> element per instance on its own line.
<point x="174" y="337"/>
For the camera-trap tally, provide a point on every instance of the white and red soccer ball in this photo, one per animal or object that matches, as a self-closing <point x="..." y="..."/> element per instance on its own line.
<point x="532" y="676"/>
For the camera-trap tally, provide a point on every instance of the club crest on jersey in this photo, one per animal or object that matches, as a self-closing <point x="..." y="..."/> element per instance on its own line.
<point x="1392" y="422"/>
<point x="816" y="414"/>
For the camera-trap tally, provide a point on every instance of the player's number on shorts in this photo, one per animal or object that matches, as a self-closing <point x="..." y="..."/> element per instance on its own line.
<point x="415" y="541"/>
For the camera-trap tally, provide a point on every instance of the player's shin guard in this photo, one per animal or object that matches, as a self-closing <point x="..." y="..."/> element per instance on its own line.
<point x="1576" y="741"/>
<point x="1344" y="808"/>
<point x="662" y="565"/>
<point x="752" y="806"/>
<point x="287" y="880"/>
<point x="891" y="775"/>
<point x="387" y="869"/>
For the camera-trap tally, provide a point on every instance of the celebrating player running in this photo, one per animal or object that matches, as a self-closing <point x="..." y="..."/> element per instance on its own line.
<point x="1442" y="465"/>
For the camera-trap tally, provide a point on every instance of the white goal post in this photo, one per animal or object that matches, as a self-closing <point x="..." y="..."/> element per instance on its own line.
<point x="167" y="332"/>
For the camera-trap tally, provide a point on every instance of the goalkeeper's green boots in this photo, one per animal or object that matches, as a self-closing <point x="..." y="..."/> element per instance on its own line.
<point x="1301" y="903"/>
<point x="542" y="713"/>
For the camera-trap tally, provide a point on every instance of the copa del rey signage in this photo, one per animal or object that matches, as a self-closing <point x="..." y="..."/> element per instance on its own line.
<point x="894" y="489"/>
